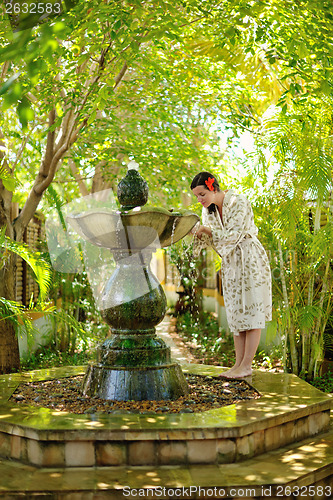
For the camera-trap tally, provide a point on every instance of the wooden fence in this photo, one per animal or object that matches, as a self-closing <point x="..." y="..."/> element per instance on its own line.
<point x="26" y="286"/>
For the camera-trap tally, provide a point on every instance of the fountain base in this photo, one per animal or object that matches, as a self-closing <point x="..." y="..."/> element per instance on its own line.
<point x="157" y="383"/>
<point x="133" y="363"/>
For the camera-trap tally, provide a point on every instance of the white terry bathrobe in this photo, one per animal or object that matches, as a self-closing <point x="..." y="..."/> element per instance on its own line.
<point x="246" y="274"/>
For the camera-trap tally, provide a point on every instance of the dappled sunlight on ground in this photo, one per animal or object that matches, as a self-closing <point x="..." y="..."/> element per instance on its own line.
<point x="280" y="394"/>
<point x="288" y="406"/>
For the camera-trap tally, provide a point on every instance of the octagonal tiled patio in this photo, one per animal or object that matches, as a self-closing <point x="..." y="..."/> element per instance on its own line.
<point x="283" y="438"/>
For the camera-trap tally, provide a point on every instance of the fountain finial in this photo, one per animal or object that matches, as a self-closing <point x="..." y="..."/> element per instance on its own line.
<point x="132" y="165"/>
<point x="132" y="190"/>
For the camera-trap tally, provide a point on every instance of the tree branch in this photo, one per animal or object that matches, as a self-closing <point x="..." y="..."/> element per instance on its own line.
<point x="120" y="75"/>
<point x="82" y="186"/>
<point x="35" y="194"/>
<point x="31" y="97"/>
<point x="49" y="145"/>
<point x="68" y="136"/>
<point x="19" y="154"/>
<point x="4" y="70"/>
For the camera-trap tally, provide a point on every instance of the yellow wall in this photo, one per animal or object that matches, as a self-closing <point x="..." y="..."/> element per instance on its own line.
<point x="207" y="292"/>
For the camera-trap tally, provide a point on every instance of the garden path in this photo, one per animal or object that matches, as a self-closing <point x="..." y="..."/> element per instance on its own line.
<point x="179" y="351"/>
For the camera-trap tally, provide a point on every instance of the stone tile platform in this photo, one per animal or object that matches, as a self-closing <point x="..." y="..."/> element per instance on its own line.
<point x="281" y="439"/>
<point x="306" y="468"/>
<point x="288" y="411"/>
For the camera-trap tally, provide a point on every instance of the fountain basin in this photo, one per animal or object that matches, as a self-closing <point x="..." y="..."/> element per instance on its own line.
<point x="153" y="383"/>
<point x="288" y="411"/>
<point x="134" y="229"/>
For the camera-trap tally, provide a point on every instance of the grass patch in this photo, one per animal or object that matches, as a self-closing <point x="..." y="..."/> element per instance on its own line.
<point x="50" y="357"/>
<point x="324" y="383"/>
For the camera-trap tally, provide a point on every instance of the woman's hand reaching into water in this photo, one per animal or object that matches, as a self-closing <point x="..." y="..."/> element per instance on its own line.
<point x="199" y="231"/>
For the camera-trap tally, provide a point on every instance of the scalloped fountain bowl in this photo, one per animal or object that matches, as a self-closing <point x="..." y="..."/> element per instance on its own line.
<point x="134" y="229"/>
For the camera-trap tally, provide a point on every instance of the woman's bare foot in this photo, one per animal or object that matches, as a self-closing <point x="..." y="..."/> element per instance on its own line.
<point x="237" y="373"/>
<point x="227" y="373"/>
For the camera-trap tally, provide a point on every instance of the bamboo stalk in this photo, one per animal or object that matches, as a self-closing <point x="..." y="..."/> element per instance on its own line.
<point x="320" y="325"/>
<point x="290" y="330"/>
<point x="317" y="333"/>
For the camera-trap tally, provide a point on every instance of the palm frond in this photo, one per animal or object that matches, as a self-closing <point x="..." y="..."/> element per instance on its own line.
<point x="58" y="203"/>
<point x="19" y="316"/>
<point x="63" y="317"/>
<point x="321" y="246"/>
<point x="14" y="312"/>
<point x="307" y="317"/>
<point x="40" y="267"/>
<point x="255" y="67"/>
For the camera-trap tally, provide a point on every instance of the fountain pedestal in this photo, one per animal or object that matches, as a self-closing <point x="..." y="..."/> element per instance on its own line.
<point x="133" y="363"/>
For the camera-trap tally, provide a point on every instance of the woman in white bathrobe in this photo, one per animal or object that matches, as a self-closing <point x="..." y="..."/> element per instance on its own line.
<point x="228" y="226"/>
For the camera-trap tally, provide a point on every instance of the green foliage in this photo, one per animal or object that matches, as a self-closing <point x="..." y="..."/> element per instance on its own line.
<point x="298" y="231"/>
<point x="205" y="338"/>
<point x="282" y="48"/>
<point x="14" y="312"/>
<point x="40" y="267"/>
<point x="6" y="178"/>
<point x="324" y="383"/>
<point x="77" y="329"/>
<point x="76" y="317"/>
<point x="271" y="361"/>
<point x="192" y="71"/>
<point x="2" y="236"/>
<point x="211" y="345"/>
<point x="55" y="201"/>
<point x="48" y="357"/>
<point x="328" y="339"/>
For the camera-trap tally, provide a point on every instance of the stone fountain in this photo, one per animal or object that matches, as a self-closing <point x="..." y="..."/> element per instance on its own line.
<point x="133" y="363"/>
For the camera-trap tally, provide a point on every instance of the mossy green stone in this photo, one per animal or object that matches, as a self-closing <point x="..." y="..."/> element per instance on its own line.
<point x="133" y="350"/>
<point x="132" y="190"/>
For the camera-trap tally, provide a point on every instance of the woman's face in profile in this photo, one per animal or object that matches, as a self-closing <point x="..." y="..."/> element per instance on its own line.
<point x="203" y="195"/>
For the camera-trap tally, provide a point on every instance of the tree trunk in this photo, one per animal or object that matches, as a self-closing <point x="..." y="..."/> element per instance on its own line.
<point x="58" y="143"/>
<point x="9" y="348"/>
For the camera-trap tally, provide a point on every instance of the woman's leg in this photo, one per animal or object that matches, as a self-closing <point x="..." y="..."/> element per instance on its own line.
<point x="251" y="342"/>
<point x="239" y="343"/>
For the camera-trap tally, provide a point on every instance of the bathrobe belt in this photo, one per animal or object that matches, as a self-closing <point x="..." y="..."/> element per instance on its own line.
<point x="246" y="239"/>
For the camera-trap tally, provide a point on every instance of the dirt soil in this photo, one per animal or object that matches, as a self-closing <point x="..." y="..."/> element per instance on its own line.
<point x="65" y="395"/>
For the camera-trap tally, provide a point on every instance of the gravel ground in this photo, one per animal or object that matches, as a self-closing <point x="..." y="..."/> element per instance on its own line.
<point x="65" y="395"/>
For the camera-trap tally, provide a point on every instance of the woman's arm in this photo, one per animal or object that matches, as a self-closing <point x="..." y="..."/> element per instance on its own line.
<point x="201" y="230"/>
